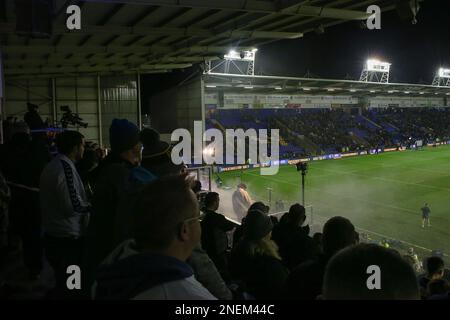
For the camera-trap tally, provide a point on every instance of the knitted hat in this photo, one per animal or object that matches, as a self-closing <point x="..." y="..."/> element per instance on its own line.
<point x="123" y="135"/>
<point x="256" y="225"/>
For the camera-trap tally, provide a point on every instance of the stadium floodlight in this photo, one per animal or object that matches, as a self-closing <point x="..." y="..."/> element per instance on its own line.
<point x="375" y="71"/>
<point x="442" y="78"/>
<point x="444" y="73"/>
<point x="233" y="62"/>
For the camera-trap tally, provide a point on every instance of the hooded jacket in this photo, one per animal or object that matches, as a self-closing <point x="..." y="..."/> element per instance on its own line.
<point x="128" y="274"/>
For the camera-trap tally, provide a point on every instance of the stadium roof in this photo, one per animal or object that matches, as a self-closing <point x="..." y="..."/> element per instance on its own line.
<point x="291" y="85"/>
<point x="153" y="36"/>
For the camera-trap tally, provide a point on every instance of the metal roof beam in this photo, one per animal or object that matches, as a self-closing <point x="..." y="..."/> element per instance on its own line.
<point x="83" y="69"/>
<point x="75" y="61"/>
<point x="252" y="6"/>
<point x="8" y="28"/>
<point x="87" y="49"/>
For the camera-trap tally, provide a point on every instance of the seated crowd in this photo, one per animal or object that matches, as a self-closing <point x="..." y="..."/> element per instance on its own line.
<point x="311" y="132"/>
<point x="134" y="224"/>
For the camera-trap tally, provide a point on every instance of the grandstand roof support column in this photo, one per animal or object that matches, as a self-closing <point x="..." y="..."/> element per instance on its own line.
<point x="54" y="100"/>
<point x="2" y="89"/>
<point x="99" y="113"/>
<point x="138" y="81"/>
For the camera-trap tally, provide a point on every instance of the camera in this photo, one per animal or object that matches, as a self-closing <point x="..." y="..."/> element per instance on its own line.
<point x="302" y="166"/>
<point x="70" y="118"/>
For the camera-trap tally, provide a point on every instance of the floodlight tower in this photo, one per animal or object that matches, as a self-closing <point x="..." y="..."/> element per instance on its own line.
<point x="442" y="78"/>
<point x="375" y="71"/>
<point x="234" y="62"/>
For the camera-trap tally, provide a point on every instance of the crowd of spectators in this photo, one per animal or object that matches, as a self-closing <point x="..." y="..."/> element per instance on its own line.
<point x="337" y="130"/>
<point x="134" y="223"/>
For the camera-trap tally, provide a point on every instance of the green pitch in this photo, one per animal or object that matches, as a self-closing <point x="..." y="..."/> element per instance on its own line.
<point x="381" y="193"/>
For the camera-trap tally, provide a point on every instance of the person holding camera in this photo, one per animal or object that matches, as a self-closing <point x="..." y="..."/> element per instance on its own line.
<point x="33" y="119"/>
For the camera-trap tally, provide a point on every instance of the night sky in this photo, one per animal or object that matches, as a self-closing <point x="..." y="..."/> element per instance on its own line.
<point x="415" y="51"/>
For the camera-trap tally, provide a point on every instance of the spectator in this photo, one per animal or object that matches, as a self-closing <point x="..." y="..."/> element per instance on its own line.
<point x="241" y="201"/>
<point x="238" y="232"/>
<point x="65" y="208"/>
<point x="434" y="271"/>
<point x="318" y="239"/>
<point x="25" y="158"/>
<point x="118" y="179"/>
<point x="156" y="158"/>
<point x="255" y="261"/>
<point x="197" y="187"/>
<point x="156" y="154"/>
<point x="214" y="234"/>
<point x="207" y="274"/>
<point x="294" y="243"/>
<point x="416" y="264"/>
<point x="437" y="288"/>
<point x="153" y="265"/>
<point x="346" y="275"/>
<point x="305" y="281"/>
<point x="86" y="167"/>
<point x="32" y="117"/>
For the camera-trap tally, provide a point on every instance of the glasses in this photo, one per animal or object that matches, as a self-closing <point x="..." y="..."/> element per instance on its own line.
<point x="199" y="218"/>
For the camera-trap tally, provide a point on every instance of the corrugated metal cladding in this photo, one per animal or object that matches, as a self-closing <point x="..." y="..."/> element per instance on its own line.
<point x="116" y="97"/>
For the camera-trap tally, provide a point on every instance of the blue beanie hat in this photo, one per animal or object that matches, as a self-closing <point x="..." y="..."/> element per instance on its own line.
<point x="123" y="135"/>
